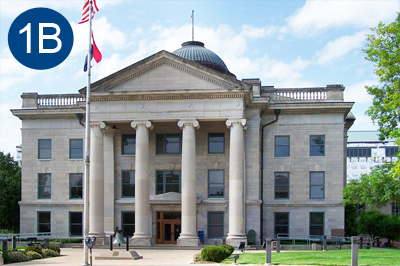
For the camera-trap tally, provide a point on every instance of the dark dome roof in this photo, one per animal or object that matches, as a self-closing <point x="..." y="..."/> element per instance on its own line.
<point x="195" y="51"/>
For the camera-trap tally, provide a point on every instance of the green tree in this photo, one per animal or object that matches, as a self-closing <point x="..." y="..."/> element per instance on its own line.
<point x="350" y="218"/>
<point x="375" y="189"/>
<point x="383" y="49"/>
<point x="379" y="225"/>
<point x="370" y="223"/>
<point x="10" y="192"/>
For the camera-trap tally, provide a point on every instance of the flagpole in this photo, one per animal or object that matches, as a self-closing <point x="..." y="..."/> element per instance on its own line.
<point x="87" y="145"/>
<point x="192" y="25"/>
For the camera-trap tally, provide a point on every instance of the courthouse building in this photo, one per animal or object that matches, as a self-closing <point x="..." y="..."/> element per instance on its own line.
<point x="178" y="146"/>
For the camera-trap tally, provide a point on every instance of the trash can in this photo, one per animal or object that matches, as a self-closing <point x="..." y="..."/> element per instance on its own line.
<point x="200" y="234"/>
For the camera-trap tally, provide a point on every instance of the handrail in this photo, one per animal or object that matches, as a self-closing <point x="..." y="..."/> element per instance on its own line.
<point x="52" y="235"/>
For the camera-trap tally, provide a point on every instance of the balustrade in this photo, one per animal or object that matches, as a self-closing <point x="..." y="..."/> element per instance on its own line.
<point x="56" y="100"/>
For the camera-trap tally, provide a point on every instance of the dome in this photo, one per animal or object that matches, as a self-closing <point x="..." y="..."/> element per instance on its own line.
<point x="195" y="51"/>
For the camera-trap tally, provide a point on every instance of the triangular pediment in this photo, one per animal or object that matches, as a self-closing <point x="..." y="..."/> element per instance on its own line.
<point x="162" y="73"/>
<point x="169" y="196"/>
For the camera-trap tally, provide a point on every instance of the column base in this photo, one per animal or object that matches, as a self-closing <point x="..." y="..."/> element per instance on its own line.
<point x="140" y="241"/>
<point x="235" y="240"/>
<point x="100" y="238"/>
<point x="188" y="242"/>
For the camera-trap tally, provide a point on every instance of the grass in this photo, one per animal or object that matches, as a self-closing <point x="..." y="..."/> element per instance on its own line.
<point x="366" y="257"/>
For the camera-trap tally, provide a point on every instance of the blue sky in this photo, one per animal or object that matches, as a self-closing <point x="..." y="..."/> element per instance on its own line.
<point x="286" y="43"/>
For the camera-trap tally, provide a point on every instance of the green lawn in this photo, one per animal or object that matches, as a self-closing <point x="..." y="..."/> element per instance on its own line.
<point x="370" y="257"/>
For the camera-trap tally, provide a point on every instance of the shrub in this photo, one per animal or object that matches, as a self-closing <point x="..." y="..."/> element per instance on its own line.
<point x="33" y="255"/>
<point x="14" y="257"/>
<point x="197" y="257"/>
<point x="214" y="253"/>
<point x="36" y="249"/>
<point x="229" y="248"/>
<point x="56" y="249"/>
<point x="50" y="253"/>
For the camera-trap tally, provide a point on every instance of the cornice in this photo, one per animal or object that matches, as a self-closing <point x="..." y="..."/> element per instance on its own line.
<point x="101" y="98"/>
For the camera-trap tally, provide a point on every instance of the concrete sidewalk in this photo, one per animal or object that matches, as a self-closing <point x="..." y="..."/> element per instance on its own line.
<point x="156" y="257"/>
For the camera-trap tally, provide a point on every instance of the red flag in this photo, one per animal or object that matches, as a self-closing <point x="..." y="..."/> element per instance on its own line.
<point x="95" y="55"/>
<point x="85" y="10"/>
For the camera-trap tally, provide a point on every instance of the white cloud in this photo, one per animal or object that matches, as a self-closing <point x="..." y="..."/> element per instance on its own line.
<point x="256" y="33"/>
<point x="357" y="92"/>
<point x="104" y="34"/>
<point x="340" y="47"/>
<point x="13" y="8"/>
<point x="319" y="15"/>
<point x="11" y="69"/>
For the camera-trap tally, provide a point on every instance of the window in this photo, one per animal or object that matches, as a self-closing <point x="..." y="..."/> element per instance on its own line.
<point x="75" y="223"/>
<point x="317" y="145"/>
<point x="128" y="144"/>
<point x="216" y="143"/>
<point x="281" y="223"/>
<point x="75" y="186"/>
<point x="317" y="185"/>
<point x="128" y="183"/>
<point x="216" y="183"/>
<point x="44" y="222"/>
<point x="169" y="143"/>
<point x="395" y="208"/>
<point x="44" y="149"/>
<point x="316" y="223"/>
<point x="391" y="151"/>
<point x="358" y="152"/>
<point x="282" y="146"/>
<point x="128" y="223"/>
<point x="44" y="186"/>
<point x="168" y="181"/>
<point x="281" y="185"/>
<point x="215" y="225"/>
<point x="76" y="148"/>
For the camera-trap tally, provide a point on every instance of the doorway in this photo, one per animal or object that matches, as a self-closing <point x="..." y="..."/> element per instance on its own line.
<point x="168" y="227"/>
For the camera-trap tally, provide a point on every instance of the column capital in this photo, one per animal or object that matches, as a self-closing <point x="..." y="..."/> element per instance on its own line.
<point x="189" y="122"/>
<point x="238" y="121"/>
<point x="107" y="130"/>
<point x="96" y="124"/>
<point x="145" y="123"/>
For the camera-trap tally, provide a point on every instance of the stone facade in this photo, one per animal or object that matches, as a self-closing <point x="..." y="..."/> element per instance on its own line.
<point x="165" y="94"/>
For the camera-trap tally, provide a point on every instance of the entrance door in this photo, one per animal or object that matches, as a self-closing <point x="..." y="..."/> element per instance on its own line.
<point x="172" y="231"/>
<point x="168" y="227"/>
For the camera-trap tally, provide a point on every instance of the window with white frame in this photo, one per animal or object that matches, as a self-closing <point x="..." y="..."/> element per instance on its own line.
<point x="216" y="184"/>
<point x="317" y="185"/>
<point x="44" y="186"/>
<point x="128" y="183"/>
<point x="44" y="149"/>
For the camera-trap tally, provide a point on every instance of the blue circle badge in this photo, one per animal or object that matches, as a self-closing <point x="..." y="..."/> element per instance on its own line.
<point x="40" y="38"/>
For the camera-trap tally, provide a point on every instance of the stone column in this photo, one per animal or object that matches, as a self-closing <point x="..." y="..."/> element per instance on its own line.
<point x="142" y="235"/>
<point x="236" y="187"/>
<point x="188" y="236"/>
<point x="96" y="186"/>
<point x="109" y="170"/>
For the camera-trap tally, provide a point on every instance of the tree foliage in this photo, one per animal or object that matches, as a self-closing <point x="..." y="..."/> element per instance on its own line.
<point x="10" y="192"/>
<point x="383" y="49"/>
<point x="379" y="225"/>
<point x="377" y="188"/>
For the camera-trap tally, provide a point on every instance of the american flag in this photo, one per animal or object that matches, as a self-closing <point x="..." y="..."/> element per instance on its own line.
<point x="85" y="10"/>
